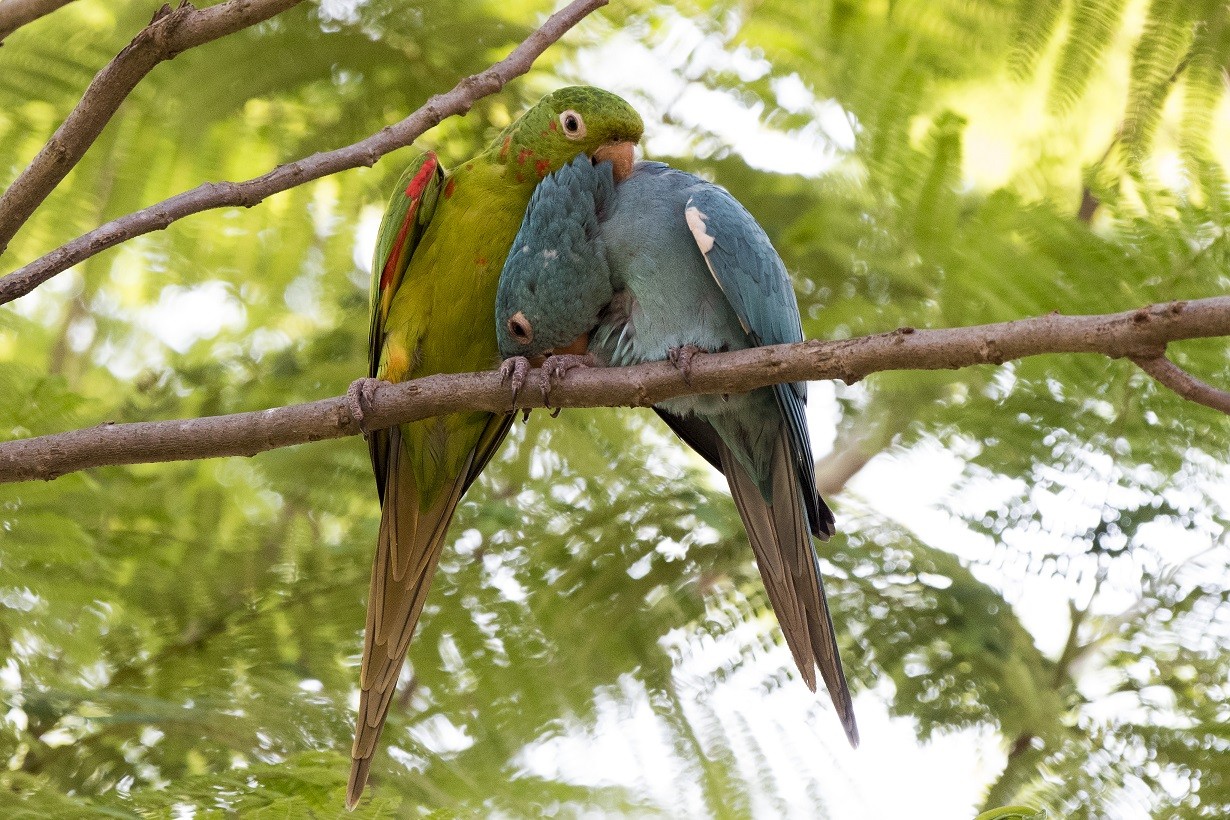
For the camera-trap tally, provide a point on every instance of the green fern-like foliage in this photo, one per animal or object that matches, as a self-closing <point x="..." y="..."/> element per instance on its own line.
<point x="1158" y="60"/>
<point x="1034" y="27"/>
<point x="186" y="636"/>
<point x="1093" y="25"/>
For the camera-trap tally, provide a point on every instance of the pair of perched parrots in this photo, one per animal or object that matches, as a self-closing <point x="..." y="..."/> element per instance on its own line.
<point x="634" y="262"/>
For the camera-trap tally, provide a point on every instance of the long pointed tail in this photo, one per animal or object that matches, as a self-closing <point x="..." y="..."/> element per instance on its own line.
<point x="407" y="554"/>
<point x="781" y="540"/>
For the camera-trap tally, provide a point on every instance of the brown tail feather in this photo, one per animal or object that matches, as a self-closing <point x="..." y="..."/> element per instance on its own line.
<point x="359" y="769"/>
<point x="407" y="554"/>
<point x="781" y="540"/>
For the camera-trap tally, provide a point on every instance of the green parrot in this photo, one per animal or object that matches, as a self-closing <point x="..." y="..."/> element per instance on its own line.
<point x="442" y="244"/>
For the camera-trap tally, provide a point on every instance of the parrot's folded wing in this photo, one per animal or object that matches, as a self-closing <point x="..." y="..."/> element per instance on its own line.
<point x="755" y="283"/>
<point x="753" y="278"/>
<point x="410" y="210"/>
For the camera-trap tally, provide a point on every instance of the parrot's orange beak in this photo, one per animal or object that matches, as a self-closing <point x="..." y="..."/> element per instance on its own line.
<point x="577" y="347"/>
<point x="620" y="155"/>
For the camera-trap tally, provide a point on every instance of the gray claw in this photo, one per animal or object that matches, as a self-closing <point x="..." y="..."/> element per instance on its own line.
<point x="514" y="370"/>
<point x="359" y="398"/>
<point x="681" y="358"/>
<point x="556" y="367"/>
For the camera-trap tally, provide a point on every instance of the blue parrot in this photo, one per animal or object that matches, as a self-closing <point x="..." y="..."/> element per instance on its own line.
<point x="661" y="267"/>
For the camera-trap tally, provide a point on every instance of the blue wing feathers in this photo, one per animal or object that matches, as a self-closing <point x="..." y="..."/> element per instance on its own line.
<point x="562" y="253"/>
<point x="748" y="268"/>
<point x="756" y="283"/>
<point x="820" y="517"/>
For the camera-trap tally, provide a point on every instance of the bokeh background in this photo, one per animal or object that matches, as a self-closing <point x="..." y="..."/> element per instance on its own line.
<point x="1031" y="578"/>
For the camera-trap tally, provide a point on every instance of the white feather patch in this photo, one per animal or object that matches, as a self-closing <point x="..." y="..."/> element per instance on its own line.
<point x="696" y="223"/>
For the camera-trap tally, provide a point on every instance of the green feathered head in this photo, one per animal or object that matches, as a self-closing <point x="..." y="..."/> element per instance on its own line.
<point x="565" y="123"/>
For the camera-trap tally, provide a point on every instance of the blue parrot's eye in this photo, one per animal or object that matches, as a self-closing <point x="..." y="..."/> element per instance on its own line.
<point x="520" y="328"/>
<point x="574" y="126"/>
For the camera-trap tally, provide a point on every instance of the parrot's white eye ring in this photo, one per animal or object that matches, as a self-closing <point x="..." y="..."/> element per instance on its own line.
<point x="520" y="328"/>
<point x="573" y="123"/>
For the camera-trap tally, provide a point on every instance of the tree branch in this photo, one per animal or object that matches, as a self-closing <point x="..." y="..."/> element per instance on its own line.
<point x="835" y="470"/>
<point x="1136" y="334"/>
<point x="16" y="13"/>
<point x="168" y="34"/>
<point x="1183" y="383"/>
<point x="365" y="152"/>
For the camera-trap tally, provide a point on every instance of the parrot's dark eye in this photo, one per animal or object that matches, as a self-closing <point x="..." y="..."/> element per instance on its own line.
<point x="520" y="328"/>
<point x="574" y="126"/>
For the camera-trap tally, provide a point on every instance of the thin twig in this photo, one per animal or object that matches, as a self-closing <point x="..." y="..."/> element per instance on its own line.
<point x="16" y="13"/>
<point x="1135" y="333"/>
<point x="168" y="34"/>
<point x="1184" y="383"/>
<point x="365" y="152"/>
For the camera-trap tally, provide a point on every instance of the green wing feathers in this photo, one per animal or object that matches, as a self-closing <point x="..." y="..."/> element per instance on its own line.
<point x="410" y="210"/>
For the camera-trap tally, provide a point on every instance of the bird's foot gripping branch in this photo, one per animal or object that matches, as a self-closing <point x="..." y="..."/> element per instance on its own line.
<point x="1137" y="334"/>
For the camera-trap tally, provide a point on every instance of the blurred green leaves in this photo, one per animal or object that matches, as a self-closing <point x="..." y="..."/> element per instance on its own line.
<point x="186" y="636"/>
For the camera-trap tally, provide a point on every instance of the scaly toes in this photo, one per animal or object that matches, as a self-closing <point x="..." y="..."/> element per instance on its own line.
<point x="556" y="367"/>
<point x="359" y="398"/>
<point x="681" y="358"/>
<point x="514" y="370"/>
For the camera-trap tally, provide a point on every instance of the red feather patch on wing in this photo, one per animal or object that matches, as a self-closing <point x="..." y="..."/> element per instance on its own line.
<point x="415" y="189"/>
<point x="415" y="192"/>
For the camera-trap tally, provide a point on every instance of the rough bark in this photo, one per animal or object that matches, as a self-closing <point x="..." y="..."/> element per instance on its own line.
<point x="16" y="13"/>
<point x="168" y="34"/>
<point x="1138" y="334"/>
<point x="366" y="152"/>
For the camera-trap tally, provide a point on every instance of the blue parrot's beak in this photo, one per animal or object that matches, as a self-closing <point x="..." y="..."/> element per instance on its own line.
<point x="620" y="155"/>
<point x="577" y="347"/>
